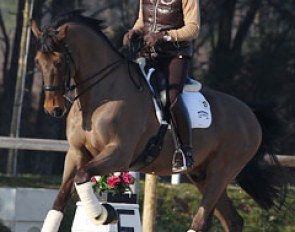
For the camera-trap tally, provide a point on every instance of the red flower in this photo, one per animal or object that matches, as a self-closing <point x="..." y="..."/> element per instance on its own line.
<point x="127" y="178"/>
<point x="93" y="179"/>
<point x="113" y="181"/>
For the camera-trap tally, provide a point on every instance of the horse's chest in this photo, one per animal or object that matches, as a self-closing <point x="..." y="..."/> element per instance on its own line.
<point x="92" y="145"/>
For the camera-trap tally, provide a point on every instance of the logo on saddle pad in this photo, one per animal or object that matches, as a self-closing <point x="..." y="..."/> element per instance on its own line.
<point x="198" y="108"/>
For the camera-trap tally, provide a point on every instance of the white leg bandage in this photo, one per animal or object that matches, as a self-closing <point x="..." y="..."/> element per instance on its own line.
<point x="93" y="209"/>
<point x="191" y="231"/>
<point x="52" y="221"/>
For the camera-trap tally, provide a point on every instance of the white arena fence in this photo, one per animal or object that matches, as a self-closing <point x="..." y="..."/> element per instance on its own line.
<point x="63" y="146"/>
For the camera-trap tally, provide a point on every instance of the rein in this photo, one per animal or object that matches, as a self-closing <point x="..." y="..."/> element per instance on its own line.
<point x="108" y="70"/>
<point x="103" y="73"/>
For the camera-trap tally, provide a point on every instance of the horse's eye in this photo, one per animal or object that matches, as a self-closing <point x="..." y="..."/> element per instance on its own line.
<point x="57" y="62"/>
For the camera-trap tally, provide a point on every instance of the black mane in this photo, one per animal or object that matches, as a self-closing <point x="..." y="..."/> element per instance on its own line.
<point x="47" y="44"/>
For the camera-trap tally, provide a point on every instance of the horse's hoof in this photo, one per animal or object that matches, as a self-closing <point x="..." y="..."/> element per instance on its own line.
<point x="112" y="217"/>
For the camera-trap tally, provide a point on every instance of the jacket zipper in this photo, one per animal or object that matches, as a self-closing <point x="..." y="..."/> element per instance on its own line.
<point x="155" y="16"/>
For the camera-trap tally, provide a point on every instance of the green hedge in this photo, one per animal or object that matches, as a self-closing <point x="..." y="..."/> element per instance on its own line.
<point x="177" y="205"/>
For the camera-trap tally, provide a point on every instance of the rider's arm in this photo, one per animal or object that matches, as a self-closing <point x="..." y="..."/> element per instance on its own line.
<point x="191" y="28"/>
<point x="139" y="22"/>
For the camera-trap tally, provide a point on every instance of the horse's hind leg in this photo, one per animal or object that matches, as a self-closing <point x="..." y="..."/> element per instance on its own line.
<point x="212" y="189"/>
<point x="228" y="215"/>
<point x="230" y="219"/>
<point x="199" y="181"/>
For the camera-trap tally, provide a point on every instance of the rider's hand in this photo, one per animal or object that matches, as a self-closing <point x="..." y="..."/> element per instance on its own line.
<point x="130" y="35"/>
<point x="153" y="38"/>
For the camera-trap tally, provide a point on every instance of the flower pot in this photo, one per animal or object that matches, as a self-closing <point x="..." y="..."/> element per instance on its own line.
<point x="112" y="197"/>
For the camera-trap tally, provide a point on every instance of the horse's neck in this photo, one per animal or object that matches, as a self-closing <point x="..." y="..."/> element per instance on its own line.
<point x="90" y="59"/>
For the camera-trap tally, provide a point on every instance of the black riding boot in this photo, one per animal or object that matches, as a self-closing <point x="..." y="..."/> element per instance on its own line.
<point x="183" y="159"/>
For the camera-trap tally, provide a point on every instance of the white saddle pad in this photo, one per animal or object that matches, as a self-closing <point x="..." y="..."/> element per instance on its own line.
<point x="198" y="108"/>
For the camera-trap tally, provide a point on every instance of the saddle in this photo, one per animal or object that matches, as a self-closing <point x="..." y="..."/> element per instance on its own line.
<point x="157" y="86"/>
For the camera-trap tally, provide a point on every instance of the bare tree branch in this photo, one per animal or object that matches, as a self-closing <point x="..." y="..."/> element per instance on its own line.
<point x="245" y="25"/>
<point x="225" y="25"/>
<point x="284" y="12"/>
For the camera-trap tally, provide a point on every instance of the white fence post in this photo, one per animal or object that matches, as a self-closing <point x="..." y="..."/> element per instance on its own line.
<point x="175" y="179"/>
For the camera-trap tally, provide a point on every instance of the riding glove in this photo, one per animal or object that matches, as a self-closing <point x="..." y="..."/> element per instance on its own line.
<point x="153" y="38"/>
<point x="130" y="35"/>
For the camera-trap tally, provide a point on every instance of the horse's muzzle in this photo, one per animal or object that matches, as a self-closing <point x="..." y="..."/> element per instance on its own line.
<point x="57" y="112"/>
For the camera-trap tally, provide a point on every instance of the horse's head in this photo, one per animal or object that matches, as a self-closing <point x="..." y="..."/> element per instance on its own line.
<point x="53" y="61"/>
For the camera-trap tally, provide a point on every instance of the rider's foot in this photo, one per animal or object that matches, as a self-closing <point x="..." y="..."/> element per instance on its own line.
<point x="182" y="160"/>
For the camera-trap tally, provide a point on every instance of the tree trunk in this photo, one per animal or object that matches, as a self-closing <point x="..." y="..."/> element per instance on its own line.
<point x="226" y="59"/>
<point x="6" y="49"/>
<point x="3" y="158"/>
<point x="7" y="97"/>
<point x="9" y="84"/>
<point x="28" y="127"/>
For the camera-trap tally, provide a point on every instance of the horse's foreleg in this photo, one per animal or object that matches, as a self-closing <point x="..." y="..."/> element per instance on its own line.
<point x="55" y="216"/>
<point x="109" y="160"/>
<point x="228" y="215"/>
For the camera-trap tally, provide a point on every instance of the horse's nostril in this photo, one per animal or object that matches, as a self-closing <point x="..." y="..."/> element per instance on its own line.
<point x="58" y="112"/>
<point x="45" y="111"/>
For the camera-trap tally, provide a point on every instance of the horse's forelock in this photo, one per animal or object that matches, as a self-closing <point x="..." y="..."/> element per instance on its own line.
<point x="47" y="42"/>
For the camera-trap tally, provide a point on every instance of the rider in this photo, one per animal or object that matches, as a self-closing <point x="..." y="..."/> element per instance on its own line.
<point x="168" y="28"/>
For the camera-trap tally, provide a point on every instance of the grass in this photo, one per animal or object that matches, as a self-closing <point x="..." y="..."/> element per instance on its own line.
<point x="177" y="204"/>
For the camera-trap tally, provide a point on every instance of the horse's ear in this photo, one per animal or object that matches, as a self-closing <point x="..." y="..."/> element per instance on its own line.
<point x="35" y="29"/>
<point x="62" y="33"/>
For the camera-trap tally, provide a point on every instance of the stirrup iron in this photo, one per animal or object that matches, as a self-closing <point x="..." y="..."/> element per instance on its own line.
<point x="184" y="166"/>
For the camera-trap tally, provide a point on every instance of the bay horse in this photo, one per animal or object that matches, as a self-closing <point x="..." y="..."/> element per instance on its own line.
<point x="113" y="117"/>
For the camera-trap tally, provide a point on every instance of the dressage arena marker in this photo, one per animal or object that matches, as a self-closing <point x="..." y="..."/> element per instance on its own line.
<point x="129" y="220"/>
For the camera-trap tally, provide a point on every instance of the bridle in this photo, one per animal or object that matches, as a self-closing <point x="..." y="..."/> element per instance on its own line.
<point x="103" y="73"/>
<point x="67" y="61"/>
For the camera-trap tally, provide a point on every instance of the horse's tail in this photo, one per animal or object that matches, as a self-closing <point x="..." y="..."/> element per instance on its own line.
<point x="264" y="181"/>
<point x="263" y="178"/>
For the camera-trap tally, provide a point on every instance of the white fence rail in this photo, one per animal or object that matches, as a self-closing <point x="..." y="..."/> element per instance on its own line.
<point x="34" y="144"/>
<point x="63" y="146"/>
